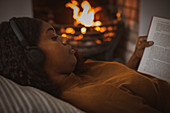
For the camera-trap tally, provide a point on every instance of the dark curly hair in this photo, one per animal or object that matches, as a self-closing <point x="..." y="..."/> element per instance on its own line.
<point x="14" y="63"/>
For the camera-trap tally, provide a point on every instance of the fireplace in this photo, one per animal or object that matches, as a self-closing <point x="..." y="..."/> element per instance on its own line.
<point x="96" y="40"/>
<point x="91" y="34"/>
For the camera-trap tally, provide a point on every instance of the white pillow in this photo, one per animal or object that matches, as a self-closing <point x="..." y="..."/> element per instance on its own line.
<point x="15" y="98"/>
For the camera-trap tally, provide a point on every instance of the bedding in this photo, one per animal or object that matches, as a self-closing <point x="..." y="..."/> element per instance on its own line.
<point x="15" y="98"/>
<point x="110" y="87"/>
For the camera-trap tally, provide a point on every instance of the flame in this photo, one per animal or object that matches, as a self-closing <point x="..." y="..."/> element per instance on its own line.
<point x="83" y="30"/>
<point x="63" y="35"/>
<point x="118" y="15"/>
<point x="85" y="17"/>
<point x="70" y="30"/>
<point x="97" y="28"/>
<point x="98" y="42"/>
<point x="102" y="29"/>
<point x="78" y="37"/>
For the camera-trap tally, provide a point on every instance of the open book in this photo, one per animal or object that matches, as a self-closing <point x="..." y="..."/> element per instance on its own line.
<point x="156" y="59"/>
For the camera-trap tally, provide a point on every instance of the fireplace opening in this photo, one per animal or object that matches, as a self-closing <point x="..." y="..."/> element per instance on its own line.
<point x="90" y="27"/>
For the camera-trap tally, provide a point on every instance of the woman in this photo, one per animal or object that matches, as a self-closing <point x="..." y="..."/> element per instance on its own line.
<point x="104" y="87"/>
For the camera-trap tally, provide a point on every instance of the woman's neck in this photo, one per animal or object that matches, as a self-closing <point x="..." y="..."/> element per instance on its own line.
<point x="58" y="78"/>
<point x="65" y="80"/>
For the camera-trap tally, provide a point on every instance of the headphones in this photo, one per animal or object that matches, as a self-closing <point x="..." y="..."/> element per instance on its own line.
<point x="35" y="54"/>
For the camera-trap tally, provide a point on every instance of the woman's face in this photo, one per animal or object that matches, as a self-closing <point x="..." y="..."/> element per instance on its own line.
<point x="60" y="58"/>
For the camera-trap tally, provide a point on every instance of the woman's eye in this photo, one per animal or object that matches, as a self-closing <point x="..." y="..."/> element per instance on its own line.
<point x="54" y="38"/>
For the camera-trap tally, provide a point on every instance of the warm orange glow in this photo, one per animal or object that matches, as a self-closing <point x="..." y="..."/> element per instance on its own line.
<point x="118" y="15"/>
<point x="98" y="23"/>
<point x="110" y="28"/>
<point x="107" y="39"/>
<point x="73" y="42"/>
<point x="70" y="30"/>
<point x="78" y="37"/>
<point x="97" y="28"/>
<point x="62" y="30"/>
<point x="111" y="34"/>
<point x="83" y="30"/>
<point x="98" y="42"/>
<point x="85" y="17"/>
<point x="102" y="29"/>
<point x="63" y="35"/>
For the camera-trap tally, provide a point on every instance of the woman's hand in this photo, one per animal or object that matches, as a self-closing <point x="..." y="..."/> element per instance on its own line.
<point x="140" y="46"/>
<point x="137" y="55"/>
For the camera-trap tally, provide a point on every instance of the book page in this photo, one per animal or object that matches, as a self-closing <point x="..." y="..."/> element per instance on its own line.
<point x="156" y="59"/>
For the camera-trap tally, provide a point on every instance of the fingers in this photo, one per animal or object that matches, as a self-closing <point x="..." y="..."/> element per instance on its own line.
<point x="142" y="42"/>
<point x="149" y="43"/>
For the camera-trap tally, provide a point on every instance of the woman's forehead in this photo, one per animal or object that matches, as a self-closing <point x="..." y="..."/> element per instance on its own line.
<point x="46" y="31"/>
<point x="47" y="27"/>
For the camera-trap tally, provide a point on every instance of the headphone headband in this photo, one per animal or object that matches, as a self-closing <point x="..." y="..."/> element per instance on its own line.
<point x="18" y="32"/>
<point x="35" y="54"/>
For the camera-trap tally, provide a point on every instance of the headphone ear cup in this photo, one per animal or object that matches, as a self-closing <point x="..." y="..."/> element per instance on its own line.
<point x="36" y="56"/>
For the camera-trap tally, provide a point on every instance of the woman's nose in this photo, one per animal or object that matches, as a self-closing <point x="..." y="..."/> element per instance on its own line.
<point x="64" y="40"/>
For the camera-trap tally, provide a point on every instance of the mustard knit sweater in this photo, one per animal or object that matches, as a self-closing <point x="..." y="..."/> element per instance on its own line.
<point x="111" y="87"/>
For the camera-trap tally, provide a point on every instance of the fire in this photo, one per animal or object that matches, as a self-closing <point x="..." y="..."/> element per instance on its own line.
<point x="70" y="30"/>
<point x="85" y="17"/>
<point x="83" y="30"/>
<point x="63" y="35"/>
<point x="97" y="28"/>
